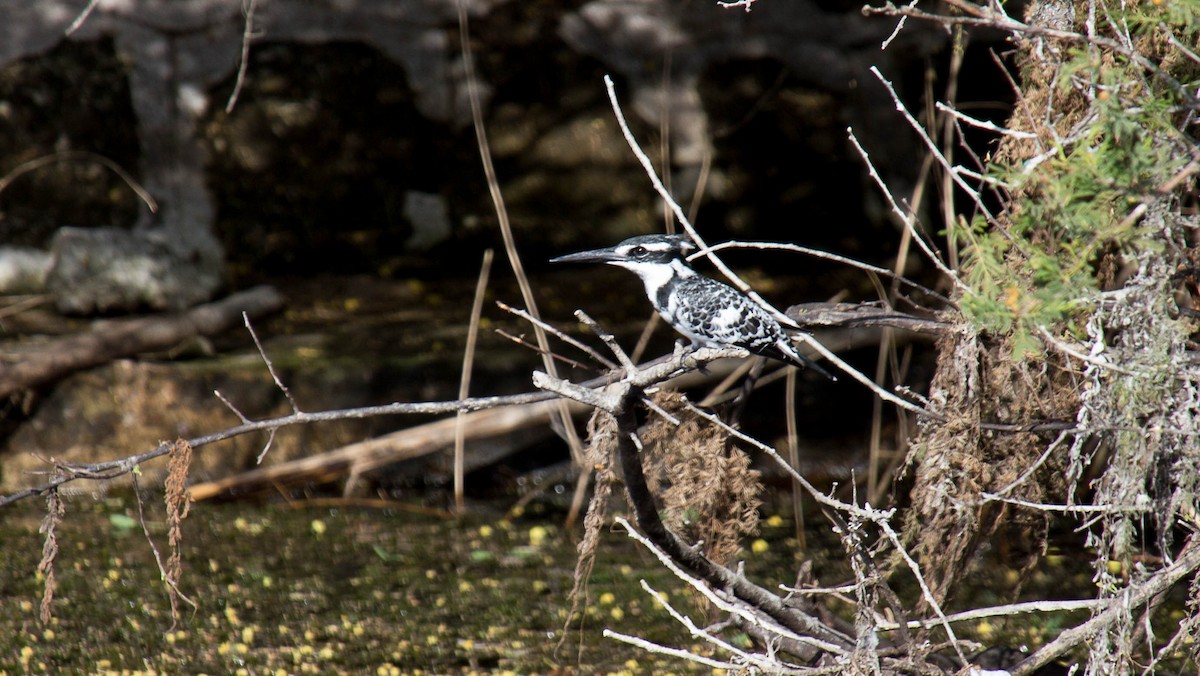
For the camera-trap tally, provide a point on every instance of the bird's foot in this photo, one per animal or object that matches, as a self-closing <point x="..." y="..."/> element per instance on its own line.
<point x="682" y="352"/>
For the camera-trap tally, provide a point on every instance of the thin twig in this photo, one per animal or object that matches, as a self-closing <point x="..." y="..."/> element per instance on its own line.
<point x="896" y="31"/>
<point x="687" y="622"/>
<point x="1033" y="468"/>
<point x="271" y="432"/>
<point x="824" y="255"/>
<point x="868" y="514"/>
<point x="720" y="599"/>
<point x="933" y="148"/>
<point x="229" y="405"/>
<point x="1012" y="609"/>
<point x="1063" y="347"/>
<point x="608" y="339"/>
<point x="83" y="17"/>
<point x="173" y="591"/>
<point x="886" y="527"/>
<point x="248" y="35"/>
<point x="909" y="220"/>
<point x="1069" y="509"/>
<point x="520" y="340"/>
<point x="564" y="337"/>
<point x="652" y="647"/>
<point x="870" y="384"/>
<point x="983" y="124"/>
<point x="270" y="367"/>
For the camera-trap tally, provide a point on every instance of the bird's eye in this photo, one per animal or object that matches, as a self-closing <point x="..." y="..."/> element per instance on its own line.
<point x="637" y="251"/>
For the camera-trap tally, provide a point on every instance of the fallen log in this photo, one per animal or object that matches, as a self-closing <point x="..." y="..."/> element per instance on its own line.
<point x="355" y="459"/>
<point x="114" y="339"/>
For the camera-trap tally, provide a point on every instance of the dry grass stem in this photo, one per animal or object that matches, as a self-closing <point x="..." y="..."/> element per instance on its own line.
<point x="510" y="248"/>
<point x="793" y="441"/>
<point x="76" y="156"/>
<point x="464" y="385"/>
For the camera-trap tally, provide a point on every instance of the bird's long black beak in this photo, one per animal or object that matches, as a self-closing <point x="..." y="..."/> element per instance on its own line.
<point x="605" y="255"/>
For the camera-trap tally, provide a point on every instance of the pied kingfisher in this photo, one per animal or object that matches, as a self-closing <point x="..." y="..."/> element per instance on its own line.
<point x="707" y="312"/>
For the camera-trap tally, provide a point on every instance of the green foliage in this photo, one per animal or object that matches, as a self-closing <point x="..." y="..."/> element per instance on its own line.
<point x="1038" y="267"/>
<point x="1181" y="16"/>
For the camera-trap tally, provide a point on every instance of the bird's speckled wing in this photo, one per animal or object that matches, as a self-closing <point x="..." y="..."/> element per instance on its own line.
<point x="721" y="315"/>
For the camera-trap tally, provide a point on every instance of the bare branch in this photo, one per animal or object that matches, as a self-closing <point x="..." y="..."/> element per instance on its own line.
<point x="115" y="468"/>
<point x="678" y="210"/>
<point x="608" y="339"/>
<point x="1186" y="563"/>
<point x="248" y="35"/>
<point x="909" y="220"/>
<point x="608" y="363"/>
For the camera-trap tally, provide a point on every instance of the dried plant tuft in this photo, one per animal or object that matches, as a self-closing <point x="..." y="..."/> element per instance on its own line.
<point x="178" y="505"/>
<point x="599" y="454"/>
<point x="709" y="492"/>
<point x="55" y="509"/>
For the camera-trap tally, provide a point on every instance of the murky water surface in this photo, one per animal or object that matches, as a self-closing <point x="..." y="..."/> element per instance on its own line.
<point x="360" y="587"/>
<point x="341" y="589"/>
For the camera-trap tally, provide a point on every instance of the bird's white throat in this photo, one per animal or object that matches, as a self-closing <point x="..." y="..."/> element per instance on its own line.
<point x="656" y="275"/>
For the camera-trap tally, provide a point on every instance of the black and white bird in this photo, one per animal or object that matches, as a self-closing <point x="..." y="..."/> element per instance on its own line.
<point x="707" y="312"/>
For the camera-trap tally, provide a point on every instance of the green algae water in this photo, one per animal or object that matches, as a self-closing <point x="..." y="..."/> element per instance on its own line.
<point x="367" y="587"/>
<point x="320" y="589"/>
